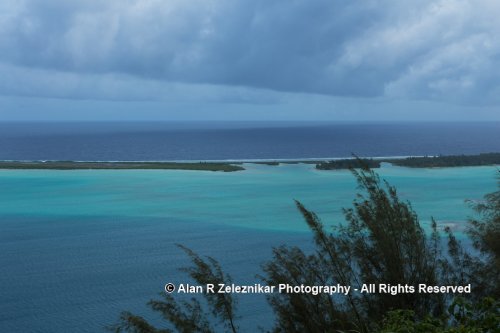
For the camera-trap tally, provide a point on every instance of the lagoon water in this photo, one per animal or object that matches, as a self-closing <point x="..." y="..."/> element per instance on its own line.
<point x="78" y="247"/>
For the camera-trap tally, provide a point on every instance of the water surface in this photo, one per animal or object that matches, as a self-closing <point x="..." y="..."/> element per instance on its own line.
<point x="78" y="247"/>
<point x="241" y="140"/>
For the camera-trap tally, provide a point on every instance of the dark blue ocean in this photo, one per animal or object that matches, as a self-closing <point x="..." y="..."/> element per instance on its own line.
<point x="243" y="140"/>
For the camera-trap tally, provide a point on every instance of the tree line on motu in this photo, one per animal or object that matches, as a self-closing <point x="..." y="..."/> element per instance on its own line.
<point x="414" y="162"/>
<point x="382" y="241"/>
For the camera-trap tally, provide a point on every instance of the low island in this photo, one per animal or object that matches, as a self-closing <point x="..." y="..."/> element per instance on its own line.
<point x="414" y="162"/>
<point x="72" y="165"/>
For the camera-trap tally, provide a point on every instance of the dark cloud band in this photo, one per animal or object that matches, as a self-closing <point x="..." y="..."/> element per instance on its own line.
<point x="440" y="50"/>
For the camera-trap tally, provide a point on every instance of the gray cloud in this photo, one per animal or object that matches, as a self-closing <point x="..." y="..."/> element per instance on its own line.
<point x="437" y="50"/>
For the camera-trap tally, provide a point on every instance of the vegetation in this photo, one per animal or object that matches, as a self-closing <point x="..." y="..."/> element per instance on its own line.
<point x="348" y="164"/>
<point x="415" y="162"/>
<point x="464" y="317"/>
<point x="485" y="233"/>
<point x="448" y="161"/>
<point x="270" y="163"/>
<point x="382" y="241"/>
<point x="70" y="165"/>
<point x="420" y="162"/>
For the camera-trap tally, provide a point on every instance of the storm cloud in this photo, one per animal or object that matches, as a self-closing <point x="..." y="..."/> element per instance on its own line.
<point x="423" y="50"/>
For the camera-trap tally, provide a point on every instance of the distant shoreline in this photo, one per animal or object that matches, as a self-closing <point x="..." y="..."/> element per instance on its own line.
<point x="442" y="161"/>
<point x="73" y="165"/>
<point x="236" y="165"/>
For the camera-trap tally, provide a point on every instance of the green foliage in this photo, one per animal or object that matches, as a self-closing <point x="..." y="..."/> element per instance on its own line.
<point x="209" y="271"/>
<point x="485" y="233"/>
<point x="382" y="241"/>
<point x="135" y="324"/>
<point x="448" y="161"/>
<point x="190" y="316"/>
<point x="72" y="165"/>
<point x="414" y="162"/>
<point x="483" y="316"/>
<point x="304" y="312"/>
<point x="404" y="321"/>
<point x="463" y="317"/>
<point x="348" y="164"/>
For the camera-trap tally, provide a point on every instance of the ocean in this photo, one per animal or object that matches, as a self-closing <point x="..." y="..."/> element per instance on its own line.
<point x="240" y="140"/>
<point x="78" y="247"/>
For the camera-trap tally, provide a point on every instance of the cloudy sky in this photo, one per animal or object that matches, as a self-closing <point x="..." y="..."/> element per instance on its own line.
<point x="249" y="60"/>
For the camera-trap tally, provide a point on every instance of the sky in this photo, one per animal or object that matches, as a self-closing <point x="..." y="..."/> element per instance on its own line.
<point x="373" y="60"/>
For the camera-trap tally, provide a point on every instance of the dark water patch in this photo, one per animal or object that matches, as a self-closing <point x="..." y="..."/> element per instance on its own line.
<point x="76" y="274"/>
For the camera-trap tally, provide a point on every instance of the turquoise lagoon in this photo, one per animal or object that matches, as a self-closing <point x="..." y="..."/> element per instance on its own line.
<point x="78" y="247"/>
